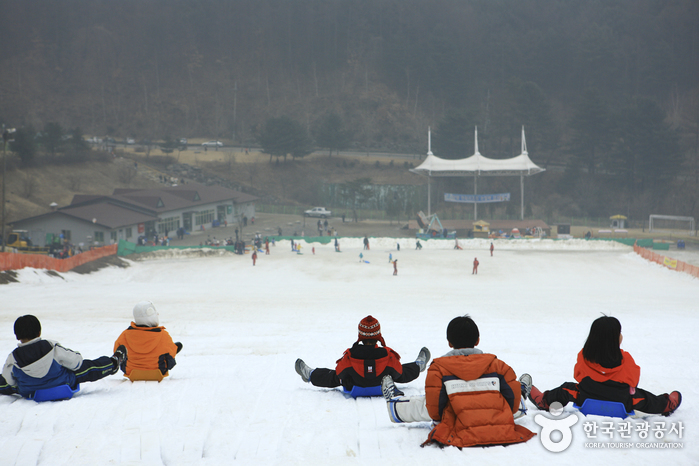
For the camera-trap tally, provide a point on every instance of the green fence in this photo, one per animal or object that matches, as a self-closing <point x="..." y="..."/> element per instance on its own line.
<point x="126" y="248"/>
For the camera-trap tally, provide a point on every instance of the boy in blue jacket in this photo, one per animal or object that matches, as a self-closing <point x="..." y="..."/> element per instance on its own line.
<point x="39" y="364"/>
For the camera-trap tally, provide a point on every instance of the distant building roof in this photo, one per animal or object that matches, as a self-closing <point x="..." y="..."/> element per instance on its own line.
<point x="108" y="214"/>
<point x="132" y="206"/>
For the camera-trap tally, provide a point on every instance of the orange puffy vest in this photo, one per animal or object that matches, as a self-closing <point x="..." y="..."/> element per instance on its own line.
<point x="470" y="418"/>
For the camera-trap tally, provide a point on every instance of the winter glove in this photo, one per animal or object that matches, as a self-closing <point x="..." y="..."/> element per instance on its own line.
<point x="165" y="363"/>
<point x="179" y="347"/>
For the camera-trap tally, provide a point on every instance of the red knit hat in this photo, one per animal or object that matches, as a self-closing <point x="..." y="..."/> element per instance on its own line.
<point x="370" y="329"/>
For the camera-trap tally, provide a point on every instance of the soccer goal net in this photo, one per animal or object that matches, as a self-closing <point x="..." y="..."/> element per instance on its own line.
<point x="671" y="222"/>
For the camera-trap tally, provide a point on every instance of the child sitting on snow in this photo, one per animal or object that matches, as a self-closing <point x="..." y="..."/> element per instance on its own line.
<point x="472" y="395"/>
<point x="39" y="364"/>
<point x="606" y="372"/>
<point x="365" y="363"/>
<point x="149" y="345"/>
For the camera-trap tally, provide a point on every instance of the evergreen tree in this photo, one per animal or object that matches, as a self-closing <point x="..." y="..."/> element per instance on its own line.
<point x="52" y="137"/>
<point x="283" y="136"/>
<point x="25" y="146"/>
<point x="331" y="134"/>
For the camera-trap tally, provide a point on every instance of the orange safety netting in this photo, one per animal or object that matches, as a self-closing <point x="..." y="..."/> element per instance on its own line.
<point x="672" y="264"/>
<point x="16" y="261"/>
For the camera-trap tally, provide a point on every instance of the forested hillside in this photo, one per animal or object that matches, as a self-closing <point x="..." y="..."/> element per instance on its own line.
<point x="608" y="90"/>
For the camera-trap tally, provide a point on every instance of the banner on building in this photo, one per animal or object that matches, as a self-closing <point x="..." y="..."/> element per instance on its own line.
<point x="479" y="199"/>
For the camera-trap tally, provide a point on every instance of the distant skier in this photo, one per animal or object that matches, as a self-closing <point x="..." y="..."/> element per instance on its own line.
<point x="491" y="249"/>
<point x="254" y="256"/>
<point x="395" y="267"/>
<point x="475" y="266"/>
<point x="418" y="245"/>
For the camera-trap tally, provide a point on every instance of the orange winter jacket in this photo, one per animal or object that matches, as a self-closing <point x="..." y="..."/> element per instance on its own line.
<point x="144" y="346"/>
<point x="473" y="412"/>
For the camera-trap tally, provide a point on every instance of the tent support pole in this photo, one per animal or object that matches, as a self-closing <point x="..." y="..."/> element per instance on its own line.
<point x="521" y="185"/>
<point x="428" y="195"/>
<point x="475" y="197"/>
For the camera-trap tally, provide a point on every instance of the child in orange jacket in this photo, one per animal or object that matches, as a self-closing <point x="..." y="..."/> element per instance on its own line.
<point x="472" y="396"/>
<point x="604" y="371"/>
<point x="148" y="344"/>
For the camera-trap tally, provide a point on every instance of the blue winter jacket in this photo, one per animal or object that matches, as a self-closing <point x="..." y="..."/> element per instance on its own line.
<point x="39" y="364"/>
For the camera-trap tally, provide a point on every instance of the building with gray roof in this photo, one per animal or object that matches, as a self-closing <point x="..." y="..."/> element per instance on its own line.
<point x="130" y="213"/>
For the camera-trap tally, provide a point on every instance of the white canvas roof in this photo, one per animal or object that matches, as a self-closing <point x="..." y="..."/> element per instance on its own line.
<point x="479" y="165"/>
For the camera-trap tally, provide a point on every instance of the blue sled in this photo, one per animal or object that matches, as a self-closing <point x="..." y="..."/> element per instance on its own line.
<point x="61" y="392"/>
<point x="358" y="392"/>
<point x="603" y="408"/>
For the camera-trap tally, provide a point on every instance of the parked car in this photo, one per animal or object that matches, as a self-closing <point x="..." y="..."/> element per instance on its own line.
<point x="130" y="141"/>
<point x="212" y="144"/>
<point x="318" y="212"/>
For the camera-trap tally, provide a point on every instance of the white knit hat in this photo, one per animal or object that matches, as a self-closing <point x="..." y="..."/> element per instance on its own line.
<point x="144" y="314"/>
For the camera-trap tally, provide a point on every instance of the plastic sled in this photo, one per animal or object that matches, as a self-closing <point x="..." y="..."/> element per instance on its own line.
<point x="141" y="374"/>
<point x="61" y="392"/>
<point x="603" y="408"/>
<point x="358" y="392"/>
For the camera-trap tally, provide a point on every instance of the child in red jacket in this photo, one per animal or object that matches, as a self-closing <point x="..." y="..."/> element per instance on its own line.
<point x="606" y="372"/>
<point x="365" y="363"/>
<point x="149" y="345"/>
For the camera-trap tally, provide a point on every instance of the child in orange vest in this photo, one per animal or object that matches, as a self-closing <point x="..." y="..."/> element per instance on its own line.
<point x="148" y="344"/>
<point x="473" y="396"/>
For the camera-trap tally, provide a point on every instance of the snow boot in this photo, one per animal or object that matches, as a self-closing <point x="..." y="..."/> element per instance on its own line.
<point x="303" y="370"/>
<point x="423" y="358"/>
<point x="389" y="389"/>
<point x="119" y="359"/>
<point x="526" y="381"/>
<point x="674" y="400"/>
<point x="536" y="397"/>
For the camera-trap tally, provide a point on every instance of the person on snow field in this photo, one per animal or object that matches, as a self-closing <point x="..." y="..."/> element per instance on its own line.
<point x="395" y="267"/>
<point x="491" y="249"/>
<point x="366" y="243"/>
<point x="149" y="345"/>
<point x="38" y="364"/>
<point x="605" y="372"/>
<point x="267" y="246"/>
<point x="475" y="266"/>
<point x="365" y="363"/>
<point x="254" y="256"/>
<point x="471" y="395"/>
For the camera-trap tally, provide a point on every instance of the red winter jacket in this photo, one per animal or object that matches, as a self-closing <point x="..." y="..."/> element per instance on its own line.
<point x="627" y="372"/>
<point x="365" y="366"/>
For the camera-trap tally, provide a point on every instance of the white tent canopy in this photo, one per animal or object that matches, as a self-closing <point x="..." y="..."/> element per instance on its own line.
<point x="477" y="165"/>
